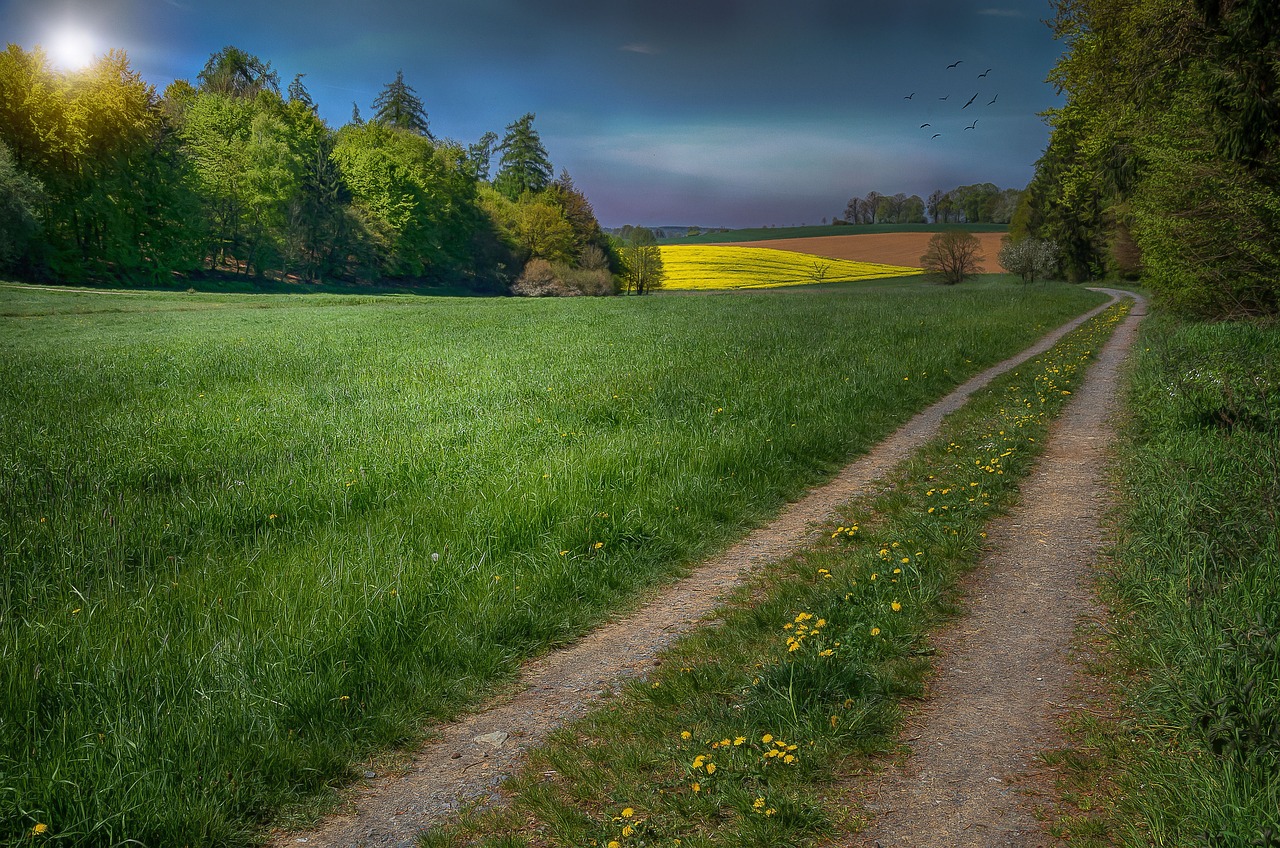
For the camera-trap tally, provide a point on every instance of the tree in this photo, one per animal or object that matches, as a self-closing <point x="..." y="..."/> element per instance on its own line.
<point x="399" y="106"/>
<point x="642" y="262"/>
<point x="952" y="255"/>
<point x="524" y="166"/>
<point x="1029" y="258"/>
<point x="480" y="155"/>
<point x="235" y="73"/>
<point x="298" y="93"/>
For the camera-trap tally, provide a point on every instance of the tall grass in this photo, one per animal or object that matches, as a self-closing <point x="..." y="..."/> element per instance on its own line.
<point x="1197" y="579"/>
<point x="247" y="540"/>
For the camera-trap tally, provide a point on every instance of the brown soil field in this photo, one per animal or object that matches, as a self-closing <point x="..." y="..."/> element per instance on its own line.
<point x="888" y="248"/>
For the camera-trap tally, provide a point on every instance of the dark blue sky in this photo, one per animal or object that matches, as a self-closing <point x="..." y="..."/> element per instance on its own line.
<point x="712" y="112"/>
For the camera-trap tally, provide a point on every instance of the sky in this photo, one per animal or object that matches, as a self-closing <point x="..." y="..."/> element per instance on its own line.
<point x="734" y="113"/>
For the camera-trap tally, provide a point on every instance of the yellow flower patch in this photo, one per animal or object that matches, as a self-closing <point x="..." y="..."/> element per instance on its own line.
<point x="697" y="266"/>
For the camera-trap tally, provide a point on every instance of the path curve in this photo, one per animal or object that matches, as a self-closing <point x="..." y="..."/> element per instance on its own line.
<point x="471" y="756"/>
<point x="972" y="775"/>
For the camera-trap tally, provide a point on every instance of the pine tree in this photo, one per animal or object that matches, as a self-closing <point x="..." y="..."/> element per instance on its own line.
<point x="399" y="106"/>
<point x="524" y="166"/>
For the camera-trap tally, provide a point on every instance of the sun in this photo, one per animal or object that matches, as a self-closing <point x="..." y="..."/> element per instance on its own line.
<point x="71" y="48"/>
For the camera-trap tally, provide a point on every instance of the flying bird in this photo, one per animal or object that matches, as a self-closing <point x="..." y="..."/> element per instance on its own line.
<point x="935" y="135"/>
<point x="953" y="64"/>
<point x="993" y="100"/>
<point x="922" y="126"/>
<point x="909" y="96"/>
<point x="971" y="99"/>
<point x="944" y="98"/>
<point x="974" y="124"/>
<point x="984" y="73"/>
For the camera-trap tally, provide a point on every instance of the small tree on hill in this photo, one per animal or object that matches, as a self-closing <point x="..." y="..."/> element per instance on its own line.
<point x="953" y="255"/>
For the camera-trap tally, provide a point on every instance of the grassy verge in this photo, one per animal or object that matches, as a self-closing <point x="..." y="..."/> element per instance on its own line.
<point x="742" y="733"/>
<point x="1191" y="755"/>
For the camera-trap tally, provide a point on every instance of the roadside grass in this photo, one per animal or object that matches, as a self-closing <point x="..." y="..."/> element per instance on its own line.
<point x="813" y="231"/>
<point x="694" y="267"/>
<point x="742" y="734"/>
<point x="250" y="540"/>
<point x="1191" y="755"/>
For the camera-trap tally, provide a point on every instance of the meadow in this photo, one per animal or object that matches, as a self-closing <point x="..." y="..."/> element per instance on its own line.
<point x="250" y="539"/>
<point x="695" y="267"/>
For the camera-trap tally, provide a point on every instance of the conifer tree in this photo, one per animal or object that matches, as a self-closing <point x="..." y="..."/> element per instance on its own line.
<point x="399" y="106"/>
<point x="524" y="166"/>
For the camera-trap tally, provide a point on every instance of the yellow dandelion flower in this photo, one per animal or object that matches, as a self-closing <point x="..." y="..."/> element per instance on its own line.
<point x="739" y="740"/>
<point x="627" y="830"/>
<point x="598" y="545"/>
<point x="613" y="843"/>
<point x="711" y="768"/>
<point x="895" y="606"/>
<point x="758" y="803"/>
<point x="697" y="787"/>
<point x="628" y="813"/>
<point x="686" y="735"/>
<point x="875" y="631"/>
<point x="767" y="738"/>
<point x="39" y="828"/>
<point x="789" y="759"/>
<point x="725" y="743"/>
<point x="698" y="761"/>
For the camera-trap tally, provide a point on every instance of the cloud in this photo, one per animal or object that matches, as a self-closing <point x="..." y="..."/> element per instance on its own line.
<point x="1001" y="13"/>
<point x="645" y="49"/>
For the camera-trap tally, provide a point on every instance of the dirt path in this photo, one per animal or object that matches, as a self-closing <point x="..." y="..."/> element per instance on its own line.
<point x="972" y="775"/>
<point x="470" y="756"/>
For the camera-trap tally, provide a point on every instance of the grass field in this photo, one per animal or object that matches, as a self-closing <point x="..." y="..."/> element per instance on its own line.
<point x="770" y="233"/>
<point x="248" y="540"/>
<point x="1193" y="754"/>
<point x="695" y="267"/>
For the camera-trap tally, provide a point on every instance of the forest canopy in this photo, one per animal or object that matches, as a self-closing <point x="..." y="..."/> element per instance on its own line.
<point x="104" y="179"/>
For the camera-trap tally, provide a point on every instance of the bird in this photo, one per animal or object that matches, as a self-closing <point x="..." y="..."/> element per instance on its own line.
<point x="974" y="124"/>
<point x="993" y="100"/>
<point x="935" y="135"/>
<point x="984" y="73"/>
<point x="971" y="99"/>
<point x="909" y="96"/>
<point x="953" y="64"/>
<point x="922" y="126"/>
<point x="944" y="98"/>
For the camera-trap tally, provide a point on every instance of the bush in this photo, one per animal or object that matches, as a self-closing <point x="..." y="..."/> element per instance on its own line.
<point x="541" y="278"/>
<point x="1030" y="258"/>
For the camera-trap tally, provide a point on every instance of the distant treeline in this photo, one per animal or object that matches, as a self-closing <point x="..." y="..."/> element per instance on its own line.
<point x="102" y="179"/>
<point x="983" y="203"/>
<point x="1165" y="159"/>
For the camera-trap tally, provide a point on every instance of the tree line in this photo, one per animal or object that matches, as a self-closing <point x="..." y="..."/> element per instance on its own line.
<point x="983" y="203"/>
<point x="103" y="179"/>
<point x="1165" y="158"/>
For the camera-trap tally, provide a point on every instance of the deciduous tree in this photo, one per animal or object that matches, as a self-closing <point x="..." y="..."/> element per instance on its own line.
<point x="952" y="255"/>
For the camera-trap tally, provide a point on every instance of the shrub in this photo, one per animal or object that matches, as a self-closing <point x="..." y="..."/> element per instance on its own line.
<point x="541" y="278"/>
<point x="1030" y="258"/>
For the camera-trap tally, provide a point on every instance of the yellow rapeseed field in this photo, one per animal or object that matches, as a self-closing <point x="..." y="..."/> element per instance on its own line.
<point x="698" y="266"/>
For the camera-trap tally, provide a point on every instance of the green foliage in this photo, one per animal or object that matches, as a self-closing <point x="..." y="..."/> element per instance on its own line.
<point x="1166" y="156"/>
<point x="219" y="513"/>
<point x="21" y="197"/>
<point x="524" y="166"/>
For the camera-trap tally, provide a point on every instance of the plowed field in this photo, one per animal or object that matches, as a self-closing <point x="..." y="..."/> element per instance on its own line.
<point x="885" y="248"/>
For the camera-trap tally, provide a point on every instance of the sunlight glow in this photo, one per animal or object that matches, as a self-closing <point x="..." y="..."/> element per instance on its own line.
<point x="71" y="48"/>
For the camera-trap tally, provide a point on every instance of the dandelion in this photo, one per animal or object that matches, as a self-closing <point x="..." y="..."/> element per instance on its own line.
<point x="697" y="787"/>
<point x="686" y="735"/>
<point x="835" y="719"/>
<point x="711" y="768"/>
<point x="758" y="804"/>
<point x="627" y="830"/>
<point x="613" y="843"/>
<point x="628" y="813"/>
<point x="895" y="606"/>
<point x="875" y="631"/>
<point x="39" y="828"/>
<point x="739" y="740"/>
<point x="767" y="738"/>
<point x="598" y="545"/>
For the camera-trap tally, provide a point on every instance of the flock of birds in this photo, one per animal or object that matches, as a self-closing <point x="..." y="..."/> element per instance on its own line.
<point x="970" y="102"/>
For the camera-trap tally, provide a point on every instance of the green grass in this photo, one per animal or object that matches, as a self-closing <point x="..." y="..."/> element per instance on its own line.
<point x="1192" y="754"/>
<point x="743" y="730"/>
<point x="220" y="515"/>
<point x="772" y="233"/>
